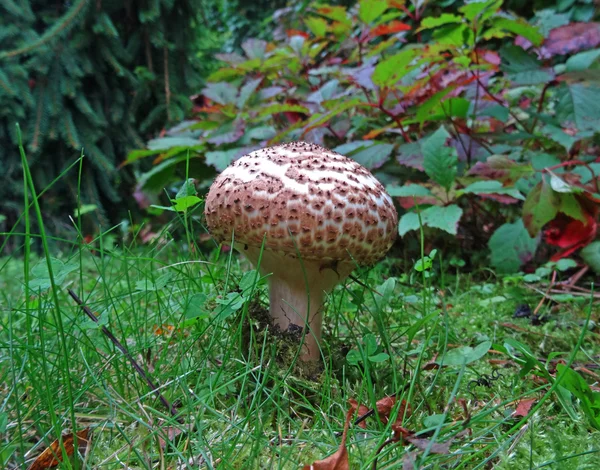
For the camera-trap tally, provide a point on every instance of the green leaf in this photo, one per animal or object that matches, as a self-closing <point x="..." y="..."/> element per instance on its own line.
<point x="465" y="354"/>
<point x="188" y="188"/>
<point x="519" y="27"/>
<point x="370" y="343"/>
<point x="540" y="207"/>
<point x="408" y="190"/>
<point x="250" y="281"/>
<point x="591" y="256"/>
<point x="408" y="222"/>
<point x="423" y="264"/>
<point x="317" y="26"/>
<point x="428" y="107"/>
<point x="582" y="60"/>
<point x="439" y="161"/>
<point x="511" y="247"/>
<point x="564" y="264"/>
<point x="389" y="71"/>
<point x="588" y="399"/>
<point x="454" y="35"/>
<point x="445" y="18"/>
<point x="561" y="186"/>
<point x="165" y="143"/>
<point x="84" y="209"/>
<point x="255" y="48"/>
<point x="522" y="68"/>
<point x="40" y="275"/>
<point x="232" y="302"/>
<point x="569" y="205"/>
<point x="353" y="357"/>
<point x="381" y="357"/>
<point x="195" y="308"/>
<point x="579" y="104"/>
<point x="246" y="91"/>
<point x="373" y="156"/>
<point x="526" y="359"/>
<point x="492" y="187"/>
<point x="221" y="159"/>
<point x="370" y="10"/>
<point x="182" y="204"/>
<point x="444" y="218"/>
<point x="480" y="10"/>
<point x="220" y="92"/>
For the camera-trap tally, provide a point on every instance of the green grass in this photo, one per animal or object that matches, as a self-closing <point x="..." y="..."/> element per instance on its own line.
<point x="239" y="404"/>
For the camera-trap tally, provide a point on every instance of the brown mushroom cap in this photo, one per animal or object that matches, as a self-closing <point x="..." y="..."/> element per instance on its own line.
<point x="306" y="200"/>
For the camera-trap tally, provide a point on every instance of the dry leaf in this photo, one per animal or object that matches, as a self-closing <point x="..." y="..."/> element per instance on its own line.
<point x="362" y="410"/>
<point x="339" y="460"/>
<point x="436" y="447"/>
<point x="408" y="461"/>
<point x="524" y="406"/>
<point x="384" y="409"/>
<point x="52" y="455"/>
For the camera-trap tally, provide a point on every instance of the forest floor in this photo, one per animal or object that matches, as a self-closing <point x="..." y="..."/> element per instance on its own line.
<point x="466" y="371"/>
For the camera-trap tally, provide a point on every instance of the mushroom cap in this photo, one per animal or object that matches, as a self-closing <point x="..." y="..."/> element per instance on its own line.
<point x="303" y="200"/>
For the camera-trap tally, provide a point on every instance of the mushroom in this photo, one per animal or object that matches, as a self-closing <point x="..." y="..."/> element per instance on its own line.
<point x="310" y="215"/>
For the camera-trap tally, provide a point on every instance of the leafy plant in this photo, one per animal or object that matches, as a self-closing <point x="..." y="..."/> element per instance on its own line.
<point x="480" y="122"/>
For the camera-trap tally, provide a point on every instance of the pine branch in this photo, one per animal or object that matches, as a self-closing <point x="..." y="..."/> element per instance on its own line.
<point x="64" y="24"/>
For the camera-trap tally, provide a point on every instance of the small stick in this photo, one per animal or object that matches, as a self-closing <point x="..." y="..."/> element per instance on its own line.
<point x="550" y="286"/>
<point x="122" y="348"/>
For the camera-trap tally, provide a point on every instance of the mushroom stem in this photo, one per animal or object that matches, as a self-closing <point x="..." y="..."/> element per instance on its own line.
<point x="293" y="307"/>
<point x="297" y="291"/>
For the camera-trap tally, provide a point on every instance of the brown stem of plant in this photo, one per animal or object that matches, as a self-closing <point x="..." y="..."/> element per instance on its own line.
<point x="126" y="353"/>
<point x="388" y="442"/>
<point x="167" y="86"/>
<point x="335" y="134"/>
<point x="498" y="100"/>
<point x="398" y="122"/>
<point x="540" y="104"/>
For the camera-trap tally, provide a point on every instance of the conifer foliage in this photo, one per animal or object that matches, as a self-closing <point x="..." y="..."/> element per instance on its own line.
<point x="99" y="75"/>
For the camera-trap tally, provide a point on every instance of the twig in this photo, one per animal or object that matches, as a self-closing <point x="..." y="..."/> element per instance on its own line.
<point x="550" y="286"/>
<point x="576" y="294"/>
<point x="126" y="353"/>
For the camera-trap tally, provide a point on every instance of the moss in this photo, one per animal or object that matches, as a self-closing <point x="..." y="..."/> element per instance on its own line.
<point x="283" y="344"/>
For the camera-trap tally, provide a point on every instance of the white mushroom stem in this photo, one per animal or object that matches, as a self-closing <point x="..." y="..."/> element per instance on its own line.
<point x="297" y="291"/>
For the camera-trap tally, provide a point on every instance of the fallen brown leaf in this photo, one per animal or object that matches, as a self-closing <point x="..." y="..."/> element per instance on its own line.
<point x="339" y="460"/>
<point x="436" y="447"/>
<point x="384" y="409"/>
<point x="362" y="410"/>
<point x="52" y="455"/>
<point x="524" y="406"/>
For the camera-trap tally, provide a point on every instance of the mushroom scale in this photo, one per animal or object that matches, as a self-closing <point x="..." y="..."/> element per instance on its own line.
<point x="303" y="200"/>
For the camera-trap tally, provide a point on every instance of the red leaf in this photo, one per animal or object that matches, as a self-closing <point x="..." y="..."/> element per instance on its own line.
<point x="339" y="460"/>
<point x="570" y="234"/>
<point x="297" y="32"/>
<point x="572" y="38"/>
<point x="523" y="407"/>
<point x="390" y="28"/>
